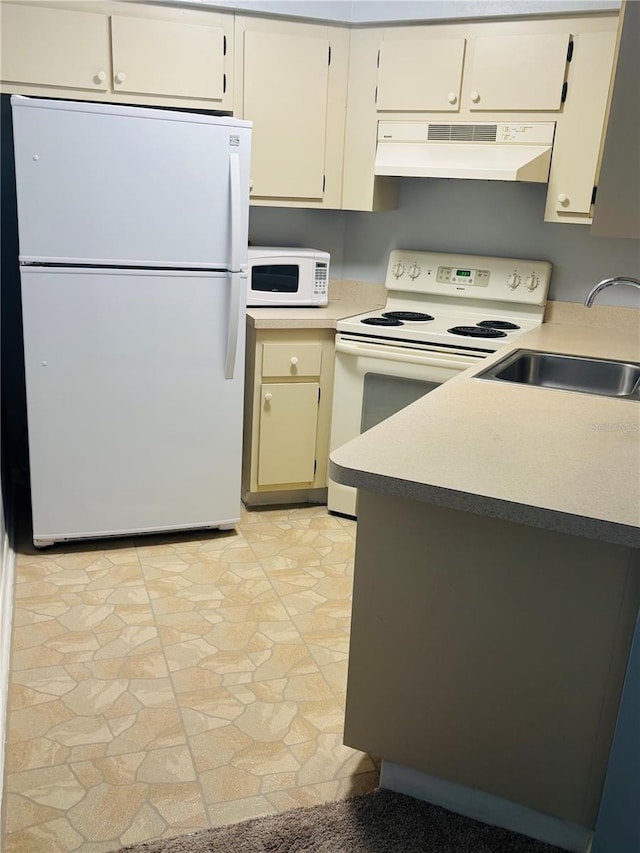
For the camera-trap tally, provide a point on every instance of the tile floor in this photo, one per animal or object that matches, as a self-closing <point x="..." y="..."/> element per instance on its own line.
<point x="160" y="685"/>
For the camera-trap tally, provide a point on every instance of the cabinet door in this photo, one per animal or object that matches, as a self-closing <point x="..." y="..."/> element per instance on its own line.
<point x="420" y="74"/>
<point x="54" y="47"/>
<point x="518" y="72"/>
<point x="576" y="146"/>
<point x="288" y="426"/>
<point x="285" y="96"/>
<point x="167" y="58"/>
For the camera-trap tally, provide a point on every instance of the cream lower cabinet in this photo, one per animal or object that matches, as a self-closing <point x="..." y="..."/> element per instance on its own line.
<point x="291" y="82"/>
<point x="129" y="53"/>
<point x="289" y="382"/>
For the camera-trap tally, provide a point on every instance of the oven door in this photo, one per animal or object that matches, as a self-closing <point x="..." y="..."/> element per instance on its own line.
<point x="374" y="381"/>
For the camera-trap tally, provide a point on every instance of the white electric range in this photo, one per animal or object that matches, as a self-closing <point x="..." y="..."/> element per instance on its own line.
<point x="443" y="314"/>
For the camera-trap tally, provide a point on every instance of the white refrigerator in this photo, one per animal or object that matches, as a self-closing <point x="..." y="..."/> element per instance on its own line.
<point x="132" y="228"/>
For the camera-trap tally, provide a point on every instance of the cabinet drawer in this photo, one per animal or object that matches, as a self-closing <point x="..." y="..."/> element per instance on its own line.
<point x="291" y="359"/>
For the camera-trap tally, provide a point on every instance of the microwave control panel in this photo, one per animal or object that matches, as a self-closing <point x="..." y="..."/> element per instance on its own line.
<point x="321" y="279"/>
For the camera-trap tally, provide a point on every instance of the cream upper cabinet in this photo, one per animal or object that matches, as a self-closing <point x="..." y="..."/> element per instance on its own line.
<point x="167" y="58"/>
<point x="422" y="74"/>
<point x="518" y="72"/>
<point x="60" y="48"/>
<point x="470" y="67"/>
<point x="124" y="52"/>
<point x="576" y="148"/>
<point x="617" y="203"/>
<point x="291" y="81"/>
<point x="285" y="96"/>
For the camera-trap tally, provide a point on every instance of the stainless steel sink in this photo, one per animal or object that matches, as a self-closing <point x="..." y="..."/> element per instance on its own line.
<point x="568" y="373"/>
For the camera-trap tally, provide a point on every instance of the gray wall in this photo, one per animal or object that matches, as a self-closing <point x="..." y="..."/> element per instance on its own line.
<point x="377" y="11"/>
<point x="474" y="217"/>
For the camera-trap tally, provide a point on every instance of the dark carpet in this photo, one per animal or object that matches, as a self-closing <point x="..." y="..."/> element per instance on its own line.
<point x="380" y="822"/>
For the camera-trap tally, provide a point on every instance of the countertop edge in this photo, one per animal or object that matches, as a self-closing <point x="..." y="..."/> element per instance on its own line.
<point x="531" y="516"/>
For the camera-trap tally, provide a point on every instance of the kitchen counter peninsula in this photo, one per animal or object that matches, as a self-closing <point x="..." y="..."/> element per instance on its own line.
<point x="561" y="460"/>
<point x="496" y="589"/>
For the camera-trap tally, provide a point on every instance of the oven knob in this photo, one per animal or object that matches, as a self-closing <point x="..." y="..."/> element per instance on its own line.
<point x="513" y="281"/>
<point x="414" y="271"/>
<point x="532" y="282"/>
<point x="398" y="269"/>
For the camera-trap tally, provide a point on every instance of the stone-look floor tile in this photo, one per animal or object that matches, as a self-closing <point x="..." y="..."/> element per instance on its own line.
<point x="180" y="804"/>
<point x="150" y="728"/>
<point x="234" y="811"/>
<point x="53" y="836"/>
<point x="56" y="787"/>
<point x="167" y="683"/>
<point x="22" y="812"/>
<point x="335" y="675"/>
<point x="304" y="796"/>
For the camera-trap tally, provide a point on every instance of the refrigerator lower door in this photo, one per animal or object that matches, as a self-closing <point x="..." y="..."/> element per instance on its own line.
<point x="132" y="425"/>
<point x="128" y="186"/>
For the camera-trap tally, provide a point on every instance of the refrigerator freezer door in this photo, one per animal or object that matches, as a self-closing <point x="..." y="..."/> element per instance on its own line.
<point x="112" y="185"/>
<point x="132" y="424"/>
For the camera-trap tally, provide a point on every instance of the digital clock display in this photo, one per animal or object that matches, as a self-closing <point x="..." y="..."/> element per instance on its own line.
<point x="466" y="273"/>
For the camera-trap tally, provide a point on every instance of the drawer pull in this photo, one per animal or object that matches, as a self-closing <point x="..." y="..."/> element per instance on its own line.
<point x="294" y="360"/>
<point x="268" y="397"/>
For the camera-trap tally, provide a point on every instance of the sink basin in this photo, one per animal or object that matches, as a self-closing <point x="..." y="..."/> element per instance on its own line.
<point x="568" y="373"/>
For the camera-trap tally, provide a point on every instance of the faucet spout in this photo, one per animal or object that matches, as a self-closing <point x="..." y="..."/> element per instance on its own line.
<point x="607" y="282"/>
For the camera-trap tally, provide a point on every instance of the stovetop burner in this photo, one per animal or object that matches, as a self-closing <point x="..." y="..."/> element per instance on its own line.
<point x="410" y="316"/>
<point x="382" y="321"/>
<point x="497" y="324"/>
<point x="477" y="332"/>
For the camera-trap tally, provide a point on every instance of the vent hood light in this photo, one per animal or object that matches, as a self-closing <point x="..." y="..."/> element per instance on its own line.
<point x="481" y="151"/>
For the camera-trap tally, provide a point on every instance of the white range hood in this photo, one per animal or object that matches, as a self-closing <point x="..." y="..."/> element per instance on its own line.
<point x="481" y="151"/>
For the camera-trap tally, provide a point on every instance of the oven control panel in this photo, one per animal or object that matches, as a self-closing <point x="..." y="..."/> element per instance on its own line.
<point x="476" y="276"/>
<point x="470" y="277"/>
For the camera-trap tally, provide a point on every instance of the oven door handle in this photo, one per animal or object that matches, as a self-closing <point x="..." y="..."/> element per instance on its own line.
<point x="390" y="354"/>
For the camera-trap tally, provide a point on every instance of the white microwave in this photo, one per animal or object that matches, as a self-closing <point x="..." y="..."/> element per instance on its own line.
<point x="281" y="276"/>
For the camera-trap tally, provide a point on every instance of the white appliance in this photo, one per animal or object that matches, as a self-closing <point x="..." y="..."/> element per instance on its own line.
<point x="282" y="276"/>
<point x="443" y="314"/>
<point x="132" y="227"/>
<point x="500" y="151"/>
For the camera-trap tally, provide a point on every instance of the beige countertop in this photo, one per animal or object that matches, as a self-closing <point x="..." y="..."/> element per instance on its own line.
<point x="555" y="459"/>
<point x="345" y="299"/>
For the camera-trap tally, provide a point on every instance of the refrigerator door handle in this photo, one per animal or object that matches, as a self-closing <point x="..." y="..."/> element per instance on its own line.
<point x="236" y="211"/>
<point x="236" y="305"/>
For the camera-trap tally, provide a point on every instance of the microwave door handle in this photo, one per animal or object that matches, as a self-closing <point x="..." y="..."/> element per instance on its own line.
<point x="235" y="212"/>
<point x="236" y="315"/>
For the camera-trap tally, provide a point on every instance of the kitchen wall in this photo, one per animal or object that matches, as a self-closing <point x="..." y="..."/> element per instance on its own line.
<point x="376" y="11"/>
<point x="479" y="217"/>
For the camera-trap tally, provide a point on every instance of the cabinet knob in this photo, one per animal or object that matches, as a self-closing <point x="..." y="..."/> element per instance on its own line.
<point x="268" y="397"/>
<point x="100" y="77"/>
<point x="475" y="97"/>
<point x="121" y="77"/>
<point x="294" y="360"/>
<point x="563" y="199"/>
<point x="452" y="97"/>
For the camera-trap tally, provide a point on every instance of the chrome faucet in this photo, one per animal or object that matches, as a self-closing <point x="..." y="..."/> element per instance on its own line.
<point x="607" y="282"/>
